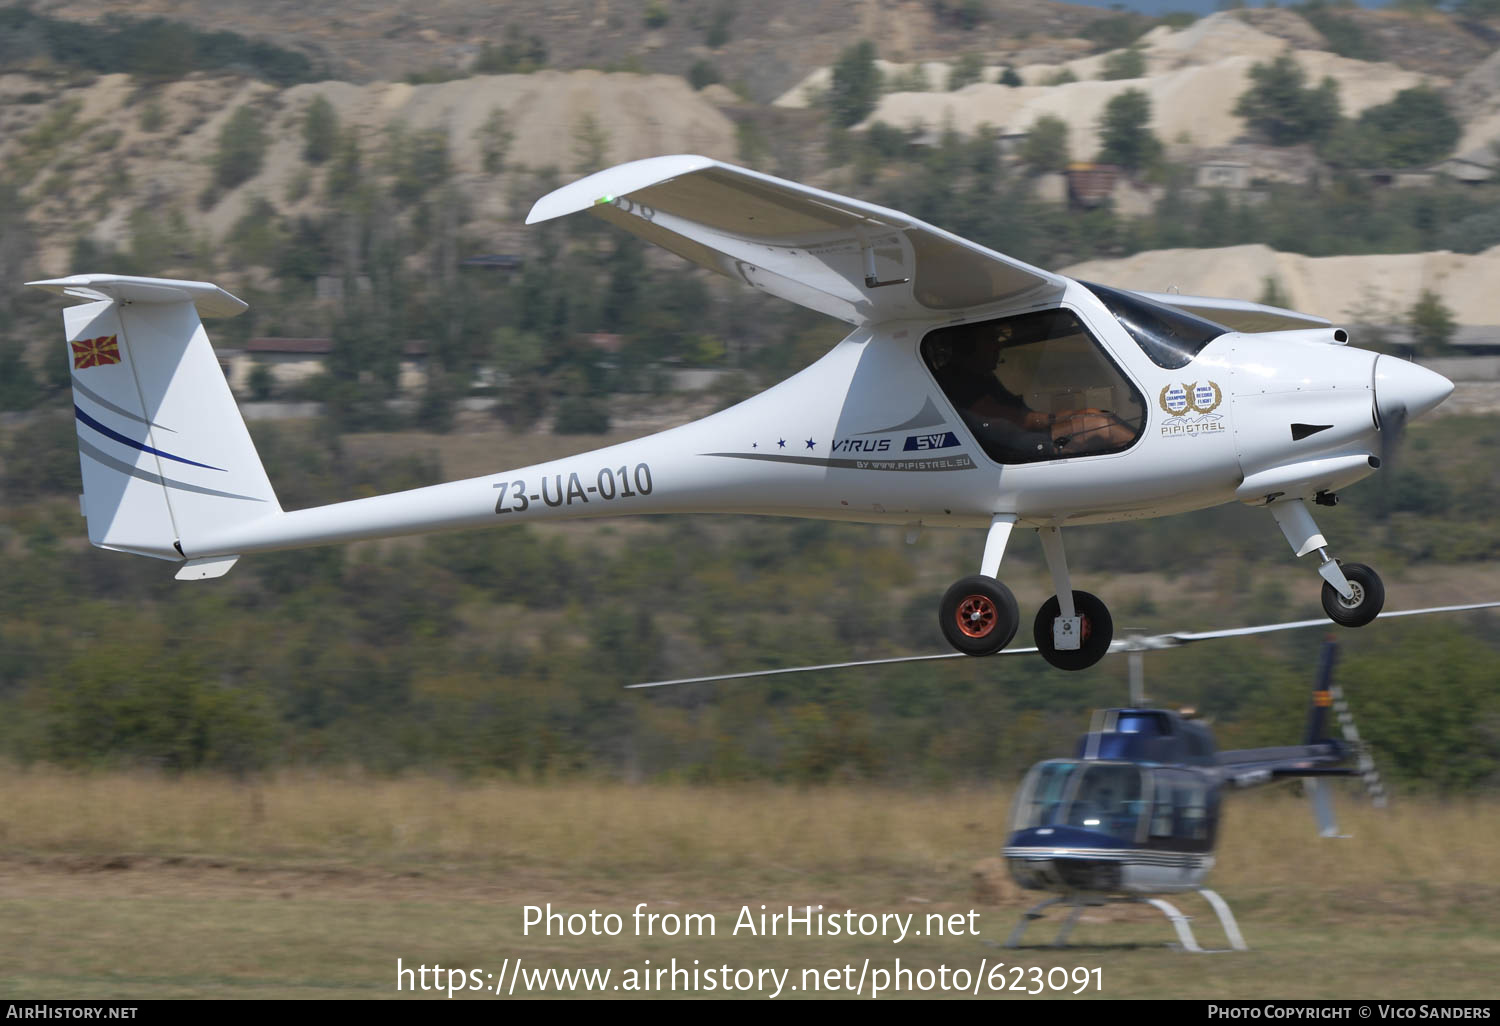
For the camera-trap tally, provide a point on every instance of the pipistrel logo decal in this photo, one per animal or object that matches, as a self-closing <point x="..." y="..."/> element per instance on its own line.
<point x="923" y="443"/>
<point x="1190" y="408"/>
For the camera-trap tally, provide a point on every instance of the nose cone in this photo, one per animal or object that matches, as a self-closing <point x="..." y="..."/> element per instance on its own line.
<point x="1402" y="385"/>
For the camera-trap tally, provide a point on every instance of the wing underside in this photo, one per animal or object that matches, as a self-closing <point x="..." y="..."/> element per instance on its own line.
<point x="855" y="261"/>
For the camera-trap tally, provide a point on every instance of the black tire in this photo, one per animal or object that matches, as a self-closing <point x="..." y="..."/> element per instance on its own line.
<point x="1098" y="632"/>
<point x="1369" y="597"/>
<point x="979" y="616"/>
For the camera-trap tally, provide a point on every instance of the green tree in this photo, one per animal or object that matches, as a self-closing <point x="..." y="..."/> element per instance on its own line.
<point x="1125" y="133"/>
<point x="590" y="144"/>
<point x="344" y="170"/>
<point x="719" y="21"/>
<point x="1272" y="293"/>
<point x="516" y="54"/>
<point x="1281" y="107"/>
<point x="856" y="84"/>
<point x="242" y="147"/>
<point x="418" y="159"/>
<point x="1127" y="63"/>
<point x="703" y="73"/>
<point x="18" y="386"/>
<point x="1062" y="76"/>
<point x="1008" y="77"/>
<point x="959" y="14"/>
<point x="967" y="70"/>
<point x="262" y="382"/>
<point x="320" y="130"/>
<point x="494" y="141"/>
<point x="1415" y="127"/>
<point x="1046" y="145"/>
<point x="1431" y="323"/>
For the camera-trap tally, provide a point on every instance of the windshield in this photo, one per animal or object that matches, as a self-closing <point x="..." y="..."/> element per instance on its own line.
<point x="1104" y="796"/>
<point x="1171" y="337"/>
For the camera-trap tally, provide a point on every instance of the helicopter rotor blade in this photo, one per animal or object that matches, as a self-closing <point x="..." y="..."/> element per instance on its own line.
<point x="1236" y="632"/>
<point x="824" y="666"/>
<point x="1134" y="644"/>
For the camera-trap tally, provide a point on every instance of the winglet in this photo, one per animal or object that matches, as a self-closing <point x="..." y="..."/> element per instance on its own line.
<point x="210" y="300"/>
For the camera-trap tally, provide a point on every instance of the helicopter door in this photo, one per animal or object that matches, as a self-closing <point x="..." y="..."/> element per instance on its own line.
<point x="1184" y="811"/>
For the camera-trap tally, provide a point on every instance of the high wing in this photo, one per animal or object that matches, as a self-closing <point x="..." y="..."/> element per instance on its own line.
<point x="855" y="261"/>
<point x="1238" y="314"/>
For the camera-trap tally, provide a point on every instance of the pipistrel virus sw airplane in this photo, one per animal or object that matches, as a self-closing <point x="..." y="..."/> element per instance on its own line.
<point x="974" y="391"/>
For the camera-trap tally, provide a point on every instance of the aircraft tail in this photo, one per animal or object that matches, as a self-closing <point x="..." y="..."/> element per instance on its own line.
<point x="164" y="451"/>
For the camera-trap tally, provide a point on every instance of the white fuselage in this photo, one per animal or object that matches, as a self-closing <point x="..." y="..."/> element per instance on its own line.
<point x="863" y="435"/>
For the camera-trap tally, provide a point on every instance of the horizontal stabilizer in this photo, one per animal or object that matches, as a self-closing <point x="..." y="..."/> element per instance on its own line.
<point x="206" y="297"/>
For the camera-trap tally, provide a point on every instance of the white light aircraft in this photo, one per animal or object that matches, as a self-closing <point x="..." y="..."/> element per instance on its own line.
<point x="974" y="391"/>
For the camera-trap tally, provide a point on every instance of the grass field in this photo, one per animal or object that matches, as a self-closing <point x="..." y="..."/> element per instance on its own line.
<point x="312" y="886"/>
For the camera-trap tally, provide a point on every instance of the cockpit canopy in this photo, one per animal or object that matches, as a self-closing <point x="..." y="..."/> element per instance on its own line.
<point x="1152" y="806"/>
<point x="1170" y="337"/>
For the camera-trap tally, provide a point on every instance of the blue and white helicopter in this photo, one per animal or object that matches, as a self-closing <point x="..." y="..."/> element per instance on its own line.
<point x="1134" y="814"/>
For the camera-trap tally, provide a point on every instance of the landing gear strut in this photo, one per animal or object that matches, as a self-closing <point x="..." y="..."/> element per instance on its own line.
<point x="979" y="615"/>
<point x="1353" y="594"/>
<point x="1073" y="629"/>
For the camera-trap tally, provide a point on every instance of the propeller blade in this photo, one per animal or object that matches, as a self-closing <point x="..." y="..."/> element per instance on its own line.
<point x="1127" y="645"/>
<point x="1393" y="420"/>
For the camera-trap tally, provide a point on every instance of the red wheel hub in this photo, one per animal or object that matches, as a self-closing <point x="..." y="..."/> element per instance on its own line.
<point x="977" y="616"/>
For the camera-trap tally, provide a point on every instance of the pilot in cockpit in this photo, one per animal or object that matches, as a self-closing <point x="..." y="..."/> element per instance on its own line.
<point x="1003" y="420"/>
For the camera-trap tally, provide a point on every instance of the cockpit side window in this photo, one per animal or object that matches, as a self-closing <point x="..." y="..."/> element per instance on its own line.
<point x="1035" y="387"/>
<point x="1170" y="337"/>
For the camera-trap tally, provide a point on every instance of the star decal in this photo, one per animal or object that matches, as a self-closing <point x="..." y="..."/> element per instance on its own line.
<point x="781" y="444"/>
<point x="811" y="444"/>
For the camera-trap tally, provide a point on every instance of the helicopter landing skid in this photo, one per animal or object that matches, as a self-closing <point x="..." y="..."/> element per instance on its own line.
<point x="1179" y="921"/>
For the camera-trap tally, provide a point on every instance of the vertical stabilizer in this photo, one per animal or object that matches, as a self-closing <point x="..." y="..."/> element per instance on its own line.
<point x="162" y="446"/>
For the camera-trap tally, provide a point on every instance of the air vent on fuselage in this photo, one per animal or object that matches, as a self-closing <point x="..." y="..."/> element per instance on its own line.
<point x="1301" y="431"/>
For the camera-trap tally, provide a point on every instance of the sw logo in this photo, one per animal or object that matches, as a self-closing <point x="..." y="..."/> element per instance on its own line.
<point x="918" y="443"/>
<point x="1181" y="401"/>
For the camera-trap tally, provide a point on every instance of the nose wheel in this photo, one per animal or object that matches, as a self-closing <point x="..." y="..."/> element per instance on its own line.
<point x="1352" y="593"/>
<point x="1365" y="602"/>
<point x="979" y="616"/>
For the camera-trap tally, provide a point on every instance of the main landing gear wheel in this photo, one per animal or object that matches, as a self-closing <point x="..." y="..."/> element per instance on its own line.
<point x="1364" y="606"/>
<point x="1098" y="631"/>
<point x="979" y="616"/>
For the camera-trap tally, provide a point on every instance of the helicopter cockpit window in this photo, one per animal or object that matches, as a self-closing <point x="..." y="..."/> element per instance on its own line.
<point x="1035" y="387"/>
<point x="1107" y="797"/>
<point x="1043" y="795"/>
<point x="1171" y="337"/>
